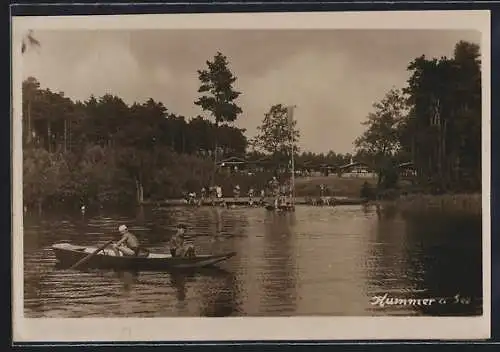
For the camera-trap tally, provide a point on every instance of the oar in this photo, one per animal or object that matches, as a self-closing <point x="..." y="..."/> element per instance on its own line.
<point x="86" y="259"/>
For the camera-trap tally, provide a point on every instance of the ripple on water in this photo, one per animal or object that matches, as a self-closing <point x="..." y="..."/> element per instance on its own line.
<point x="317" y="261"/>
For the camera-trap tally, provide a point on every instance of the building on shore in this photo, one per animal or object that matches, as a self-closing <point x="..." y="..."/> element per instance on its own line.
<point x="407" y="170"/>
<point x="233" y="165"/>
<point x="356" y="169"/>
<point x="238" y="165"/>
<point x="311" y="169"/>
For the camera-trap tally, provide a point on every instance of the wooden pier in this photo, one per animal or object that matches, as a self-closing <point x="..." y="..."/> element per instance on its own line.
<point x="245" y="201"/>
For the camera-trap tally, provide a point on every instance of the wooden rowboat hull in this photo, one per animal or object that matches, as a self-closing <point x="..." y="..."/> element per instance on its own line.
<point x="68" y="254"/>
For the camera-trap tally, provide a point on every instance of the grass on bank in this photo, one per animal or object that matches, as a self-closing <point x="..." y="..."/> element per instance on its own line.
<point x="406" y="198"/>
<point x="335" y="186"/>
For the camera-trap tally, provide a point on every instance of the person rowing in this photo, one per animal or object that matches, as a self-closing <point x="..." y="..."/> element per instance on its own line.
<point x="250" y="196"/>
<point x="128" y="244"/>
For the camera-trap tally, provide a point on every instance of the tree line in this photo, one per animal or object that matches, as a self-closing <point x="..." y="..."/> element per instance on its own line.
<point x="434" y="122"/>
<point x="102" y="150"/>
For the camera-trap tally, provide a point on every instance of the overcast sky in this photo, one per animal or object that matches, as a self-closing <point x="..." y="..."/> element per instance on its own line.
<point x="333" y="76"/>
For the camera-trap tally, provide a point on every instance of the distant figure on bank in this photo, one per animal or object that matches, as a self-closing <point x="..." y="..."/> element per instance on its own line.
<point x="179" y="247"/>
<point x="191" y="198"/>
<point x="274" y="185"/>
<point x="236" y="191"/>
<point x="250" y="196"/>
<point x="203" y="193"/>
<point x="211" y="192"/>
<point x="284" y="189"/>
<point x="322" y="189"/>
<point x="218" y="190"/>
<point x="128" y="244"/>
<point x="82" y="209"/>
<point x="262" y="195"/>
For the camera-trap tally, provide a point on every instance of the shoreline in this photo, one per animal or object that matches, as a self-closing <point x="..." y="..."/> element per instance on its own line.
<point x="471" y="203"/>
<point x="240" y="201"/>
<point x="462" y="202"/>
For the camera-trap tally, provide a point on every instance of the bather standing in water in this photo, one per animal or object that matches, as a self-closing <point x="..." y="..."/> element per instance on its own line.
<point x="179" y="247"/>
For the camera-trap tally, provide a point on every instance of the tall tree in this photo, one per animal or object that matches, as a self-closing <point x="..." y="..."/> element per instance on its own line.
<point x="277" y="134"/>
<point x="443" y="129"/>
<point x="380" y="141"/>
<point x="30" y="90"/>
<point x="218" y="94"/>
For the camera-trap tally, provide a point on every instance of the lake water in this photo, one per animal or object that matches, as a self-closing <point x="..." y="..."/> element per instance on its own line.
<point x="316" y="261"/>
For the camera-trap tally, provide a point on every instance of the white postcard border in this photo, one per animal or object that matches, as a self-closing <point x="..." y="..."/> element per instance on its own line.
<point x="247" y="328"/>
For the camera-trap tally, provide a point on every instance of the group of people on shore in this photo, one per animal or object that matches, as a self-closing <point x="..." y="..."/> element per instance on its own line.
<point x="280" y="192"/>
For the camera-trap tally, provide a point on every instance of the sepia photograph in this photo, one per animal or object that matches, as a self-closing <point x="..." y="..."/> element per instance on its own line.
<point x="230" y="170"/>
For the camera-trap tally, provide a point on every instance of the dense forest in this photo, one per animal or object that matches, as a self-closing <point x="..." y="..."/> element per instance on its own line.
<point x="435" y="121"/>
<point x="102" y="150"/>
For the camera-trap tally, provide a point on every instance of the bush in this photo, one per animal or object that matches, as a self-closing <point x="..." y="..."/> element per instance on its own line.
<point x="367" y="191"/>
<point x="388" y="194"/>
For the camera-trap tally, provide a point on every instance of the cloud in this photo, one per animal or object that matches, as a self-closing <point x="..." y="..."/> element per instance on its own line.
<point x="330" y="100"/>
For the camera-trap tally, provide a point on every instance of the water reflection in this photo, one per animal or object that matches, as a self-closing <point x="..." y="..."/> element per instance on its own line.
<point x="279" y="280"/>
<point x="390" y="271"/>
<point x="128" y="278"/>
<point x="425" y="256"/>
<point x="441" y="270"/>
<point x="316" y="261"/>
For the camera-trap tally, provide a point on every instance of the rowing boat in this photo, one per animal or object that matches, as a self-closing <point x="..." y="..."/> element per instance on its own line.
<point x="68" y="254"/>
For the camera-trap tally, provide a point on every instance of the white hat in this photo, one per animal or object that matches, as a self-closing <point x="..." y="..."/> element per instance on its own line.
<point x="122" y="228"/>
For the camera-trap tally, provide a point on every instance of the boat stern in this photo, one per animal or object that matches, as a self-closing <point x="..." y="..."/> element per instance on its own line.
<point x="66" y="253"/>
<point x="62" y="246"/>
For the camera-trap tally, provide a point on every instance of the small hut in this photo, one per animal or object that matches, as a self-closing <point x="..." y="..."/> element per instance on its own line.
<point x="232" y="164"/>
<point x="407" y="170"/>
<point x="356" y="169"/>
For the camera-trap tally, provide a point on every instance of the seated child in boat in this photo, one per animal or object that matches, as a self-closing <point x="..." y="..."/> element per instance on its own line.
<point x="128" y="244"/>
<point x="179" y="246"/>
